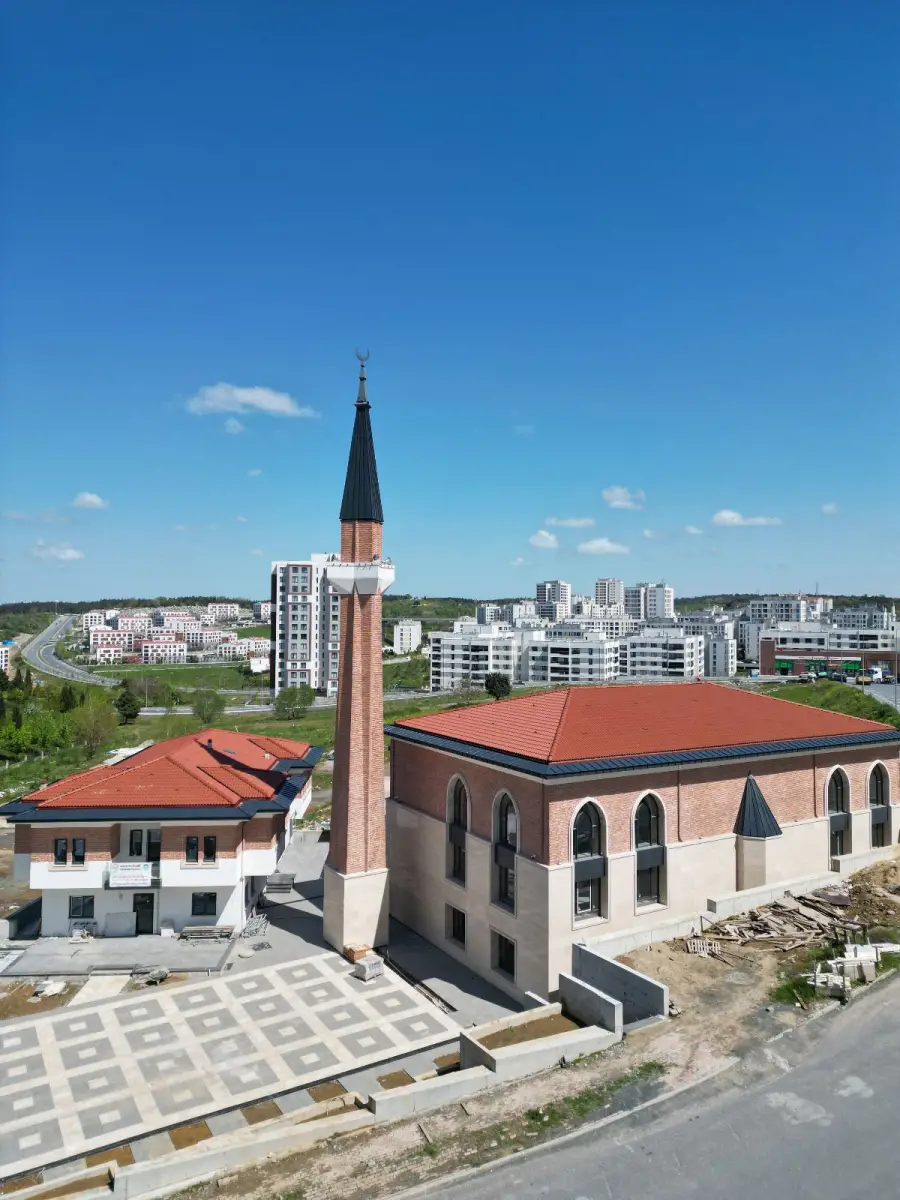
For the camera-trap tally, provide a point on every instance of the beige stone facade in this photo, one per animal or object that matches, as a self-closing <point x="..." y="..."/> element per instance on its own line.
<point x="704" y="858"/>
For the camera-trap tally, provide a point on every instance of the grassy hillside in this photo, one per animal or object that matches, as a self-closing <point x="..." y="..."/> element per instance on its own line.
<point x="422" y="607"/>
<point x="412" y="674"/>
<point x="14" y="623"/>
<point x="255" y="631"/>
<point x="836" y="697"/>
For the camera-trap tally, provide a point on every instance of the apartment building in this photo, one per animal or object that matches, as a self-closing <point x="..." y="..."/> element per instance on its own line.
<point x="866" y="616"/>
<point x="106" y="653"/>
<point x="636" y="601"/>
<point x="720" y="657"/>
<point x="262" y="610"/>
<point x="90" y="620"/>
<point x="161" y="649"/>
<point x="5" y="656"/>
<point x="245" y="648"/>
<point x="223" y="611"/>
<point x="657" y="652"/>
<point x="555" y="591"/>
<point x="567" y="656"/>
<point x="778" y="608"/>
<point x="113" y="850"/>
<point x="111" y="637"/>
<point x="163" y="617"/>
<point x="307" y="632"/>
<point x="748" y="635"/>
<point x="660" y="600"/>
<point x="206" y="638"/>
<point x="489" y="614"/>
<point x="553" y="610"/>
<point x="136" y="622"/>
<point x="710" y="622"/>
<point x="407" y="636"/>
<point x="609" y="591"/>
<point x="472" y="651"/>
<point x="794" y="648"/>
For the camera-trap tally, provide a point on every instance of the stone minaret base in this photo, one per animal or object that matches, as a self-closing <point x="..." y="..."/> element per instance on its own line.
<point x="356" y="908"/>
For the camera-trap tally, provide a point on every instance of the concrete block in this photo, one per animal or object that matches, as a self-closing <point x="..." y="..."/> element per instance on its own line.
<point x="739" y="902"/>
<point x="429" y="1094"/>
<point x="639" y="995"/>
<point x="533" y="1000"/>
<point x="587" y="1004"/>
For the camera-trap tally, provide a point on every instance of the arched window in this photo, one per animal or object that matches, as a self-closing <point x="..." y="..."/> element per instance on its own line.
<point x="508" y="824"/>
<point x="586" y="840"/>
<point x="457" y="824"/>
<point x="505" y="846"/>
<point x="879" y="797"/>
<point x="648" y="842"/>
<point x="837" y="792"/>
<point x="647" y="823"/>
<point x="878" y="787"/>
<point x="587" y="847"/>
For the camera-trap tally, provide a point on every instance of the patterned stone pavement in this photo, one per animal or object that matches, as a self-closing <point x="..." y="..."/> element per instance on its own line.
<point x="82" y="1079"/>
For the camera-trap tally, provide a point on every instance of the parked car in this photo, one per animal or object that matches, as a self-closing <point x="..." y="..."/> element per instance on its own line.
<point x="838" y="676"/>
<point x="887" y="677"/>
<point x="862" y="679"/>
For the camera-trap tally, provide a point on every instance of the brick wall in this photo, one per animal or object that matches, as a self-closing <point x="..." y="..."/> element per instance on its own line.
<point x="227" y="839"/>
<point x="22" y="839"/>
<point x="259" y="833"/>
<point x="357" y="801"/>
<point x="98" y="843"/>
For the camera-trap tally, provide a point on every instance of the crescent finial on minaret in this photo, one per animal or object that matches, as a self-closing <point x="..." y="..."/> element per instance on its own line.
<point x="363" y="358"/>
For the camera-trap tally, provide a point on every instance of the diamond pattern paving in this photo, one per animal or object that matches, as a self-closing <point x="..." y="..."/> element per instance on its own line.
<point x="75" y="1082"/>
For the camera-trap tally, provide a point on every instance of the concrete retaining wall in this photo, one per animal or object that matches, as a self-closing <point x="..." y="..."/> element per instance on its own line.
<point x="738" y="902"/>
<point x="615" y="944"/>
<point x="588" y="1004"/>
<point x="12" y="926"/>
<point x="527" y="1058"/>
<point x="145" y="1179"/>
<point x="429" y="1093"/>
<point x="639" y="995"/>
<point x="532" y="1000"/>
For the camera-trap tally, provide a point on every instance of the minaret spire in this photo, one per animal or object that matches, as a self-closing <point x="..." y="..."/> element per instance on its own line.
<point x="362" y="496"/>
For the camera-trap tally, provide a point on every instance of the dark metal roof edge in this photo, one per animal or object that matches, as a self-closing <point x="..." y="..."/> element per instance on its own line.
<point x="236" y="812"/>
<point x="532" y="766"/>
<point x="285" y="764"/>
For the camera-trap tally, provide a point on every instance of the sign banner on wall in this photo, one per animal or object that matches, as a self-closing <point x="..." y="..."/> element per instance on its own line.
<point x="130" y="874"/>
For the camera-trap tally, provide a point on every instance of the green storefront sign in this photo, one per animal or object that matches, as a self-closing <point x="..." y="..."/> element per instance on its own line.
<point x="784" y="664"/>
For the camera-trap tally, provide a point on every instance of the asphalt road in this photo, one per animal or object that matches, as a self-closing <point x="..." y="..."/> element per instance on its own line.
<point x="41" y="653"/>
<point x="821" y="1122"/>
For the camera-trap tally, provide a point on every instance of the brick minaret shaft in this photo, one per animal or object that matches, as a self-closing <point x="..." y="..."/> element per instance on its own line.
<point x="355" y="909"/>
<point x="357" y="797"/>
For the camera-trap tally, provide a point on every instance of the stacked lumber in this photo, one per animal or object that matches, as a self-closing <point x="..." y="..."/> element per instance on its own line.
<point x="788" y="924"/>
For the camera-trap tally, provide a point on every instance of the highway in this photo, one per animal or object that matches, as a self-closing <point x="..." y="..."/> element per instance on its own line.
<point x="810" y="1116"/>
<point x="41" y="653"/>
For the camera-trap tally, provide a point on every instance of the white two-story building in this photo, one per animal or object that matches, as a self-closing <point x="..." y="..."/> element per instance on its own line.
<point x="182" y="833"/>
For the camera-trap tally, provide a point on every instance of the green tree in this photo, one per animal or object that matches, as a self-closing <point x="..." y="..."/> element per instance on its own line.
<point x="67" y="698"/>
<point x="291" y="703"/>
<point x="18" y="679"/>
<point x="127" y="705"/>
<point x="497" y="684"/>
<point x="466" y="693"/>
<point x="208" y="706"/>
<point x="2" y="708"/>
<point x="5" y="682"/>
<point x="29" y="681"/>
<point x="16" y="713"/>
<point x="92" y="724"/>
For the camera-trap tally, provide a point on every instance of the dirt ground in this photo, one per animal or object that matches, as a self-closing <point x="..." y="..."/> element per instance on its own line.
<point x="16" y="999"/>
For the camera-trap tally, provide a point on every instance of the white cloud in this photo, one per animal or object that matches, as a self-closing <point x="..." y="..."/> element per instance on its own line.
<point x="16" y="516"/>
<point x="728" y="517"/>
<point x="89" y="500"/>
<point x="693" y="530"/>
<point x="226" y="398"/>
<point x="258" y="553"/>
<point x="233" y="425"/>
<point x="241" y="520"/>
<point x="523" y="430"/>
<point x="570" y="522"/>
<point x="254" y="471"/>
<point x="649" y="533"/>
<point x="179" y="528"/>
<point x="620" y="497"/>
<point x="830" y="509"/>
<point x="518" y="562"/>
<point x="542" y="540"/>
<point x="56" y="552"/>
<point x="602" y="545"/>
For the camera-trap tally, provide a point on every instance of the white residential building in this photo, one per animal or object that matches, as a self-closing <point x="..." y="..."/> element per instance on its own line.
<point x="104" y="653"/>
<point x="636" y="601"/>
<point x="818" y="607"/>
<point x="136" y="622"/>
<point x="711" y="622"/>
<point x="111" y="637"/>
<point x="407" y="636"/>
<point x="205" y="638"/>
<point x="553" y="610"/>
<point x="657" y="652"/>
<point x="660" y="600"/>
<point x="262" y="609"/>
<point x="223" y="611"/>
<point x="163" y="648"/>
<point x="555" y="591"/>
<point x="748" y="639"/>
<point x="720" y="657"/>
<point x="91" y="619"/>
<point x="778" y="608"/>
<point x="609" y="591"/>
<point x="520" y="610"/>
<point x="163" y="615"/>
<point x="5" y="655"/>
<point x="472" y="651"/>
<point x="245" y="648"/>
<point x="558" y="656"/>
<point x="867" y="616"/>
<point x="488" y="614"/>
<point x="307" y="626"/>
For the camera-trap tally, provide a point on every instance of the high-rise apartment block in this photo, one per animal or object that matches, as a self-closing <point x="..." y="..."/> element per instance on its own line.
<point x="609" y="591"/>
<point x="306" y="629"/>
<point x="636" y="601"/>
<point x="262" y="610"/>
<point x="555" y="591"/>
<point x="407" y="636"/>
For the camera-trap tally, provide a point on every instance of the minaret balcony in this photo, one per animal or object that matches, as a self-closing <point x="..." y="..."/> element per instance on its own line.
<point x="365" y="578"/>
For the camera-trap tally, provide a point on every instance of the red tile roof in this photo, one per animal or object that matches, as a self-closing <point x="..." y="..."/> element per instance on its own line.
<point x="585" y="723"/>
<point x="181" y="772"/>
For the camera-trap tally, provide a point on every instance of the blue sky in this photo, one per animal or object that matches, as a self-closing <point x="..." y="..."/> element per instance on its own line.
<point x="633" y="265"/>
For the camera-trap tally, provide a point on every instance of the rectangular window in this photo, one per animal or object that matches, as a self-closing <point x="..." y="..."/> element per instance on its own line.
<point x="877" y="836"/>
<point x="506" y="886"/>
<point x="78" y="852"/>
<point x="587" y="898"/>
<point x="60" y="852"/>
<point x="648" y="886"/>
<point x="209" y="849"/>
<point x="504" y="955"/>
<point x="456" y="925"/>
<point x="136" y="843"/>
<point x="458" y="863"/>
<point x="203" y="904"/>
<point x="81" y="908"/>
<point x="191" y="849"/>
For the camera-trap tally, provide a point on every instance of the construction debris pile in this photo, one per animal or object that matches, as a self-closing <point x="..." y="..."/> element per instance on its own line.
<point x="787" y="924"/>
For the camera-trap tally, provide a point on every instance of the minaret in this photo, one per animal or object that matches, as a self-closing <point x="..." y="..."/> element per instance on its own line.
<point x="356" y="887"/>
